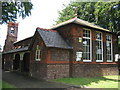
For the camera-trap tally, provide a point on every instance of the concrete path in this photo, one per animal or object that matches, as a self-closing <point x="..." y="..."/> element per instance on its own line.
<point x="0" y="70"/>
<point x="21" y="81"/>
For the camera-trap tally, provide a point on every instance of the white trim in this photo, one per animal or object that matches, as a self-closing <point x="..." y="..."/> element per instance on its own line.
<point x="101" y="47"/>
<point x="109" y="61"/>
<point x="99" y="60"/>
<point x="111" y="49"/>
<point x="37" y="59"/>
<point x="90" y="45"/>
<point x="87" y="60"/>
<point x="37" y="54"/>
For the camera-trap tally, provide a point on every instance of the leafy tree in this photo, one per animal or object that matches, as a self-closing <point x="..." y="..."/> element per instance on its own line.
<point x="11" y="10"/>
<point x="0" y="48"/>
<point x="104" y="14"/>
<point x="108" y="15"/>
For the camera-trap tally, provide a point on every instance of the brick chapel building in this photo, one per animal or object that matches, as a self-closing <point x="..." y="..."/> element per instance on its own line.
<point x="74" y="48"/>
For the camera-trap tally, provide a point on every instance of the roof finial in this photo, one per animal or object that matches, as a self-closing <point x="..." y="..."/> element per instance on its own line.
<point x="76" y="15"/>
<point x="76" y="12"/>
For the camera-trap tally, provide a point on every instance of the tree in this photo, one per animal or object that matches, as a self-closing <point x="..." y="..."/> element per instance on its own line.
<point x="108" y="15"/>
<point x="104" y="14"/>
<point x="0" y="48"/>
<point x="11" y="10"/>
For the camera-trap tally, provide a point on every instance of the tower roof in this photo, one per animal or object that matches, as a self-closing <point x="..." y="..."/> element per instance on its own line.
<point x="12" y="24"/>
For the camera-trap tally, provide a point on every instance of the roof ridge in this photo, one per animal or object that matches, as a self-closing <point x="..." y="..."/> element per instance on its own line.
<point x="94" y="25"/>
<point x="80" y="22"/>
<point x="23" y="39"/>
<point x="46" y="29"/>
<point x="65" y="22"/>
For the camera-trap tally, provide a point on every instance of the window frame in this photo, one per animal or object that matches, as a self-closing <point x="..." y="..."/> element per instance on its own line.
<point x="90" y="38"/>
<point x="111" y="48"/>
<point x="38" y="53"/>
<point x="12" y="30"/>
<point x="101" y="45"/>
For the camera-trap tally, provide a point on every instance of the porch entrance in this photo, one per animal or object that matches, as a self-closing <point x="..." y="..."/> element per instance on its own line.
<point x="16" y="62"/>
<point x="25" y="62"/>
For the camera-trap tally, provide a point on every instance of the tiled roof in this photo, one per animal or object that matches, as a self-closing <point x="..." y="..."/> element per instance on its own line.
<point x="80" y="22"/>
<point x="17" y="50"/>
<point x="23" y="40"/>
<point x="52" y="38"/>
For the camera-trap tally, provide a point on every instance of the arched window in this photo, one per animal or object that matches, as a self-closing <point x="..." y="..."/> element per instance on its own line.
<point x="12" y="30"/>
<point x="38" y="53"/>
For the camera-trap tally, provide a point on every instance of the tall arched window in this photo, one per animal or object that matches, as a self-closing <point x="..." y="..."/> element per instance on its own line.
<point x="38" y="53"/>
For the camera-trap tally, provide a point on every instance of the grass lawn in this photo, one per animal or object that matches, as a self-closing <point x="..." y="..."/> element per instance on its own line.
<point x="4" y="84"/>
<point x="97" y="82"/>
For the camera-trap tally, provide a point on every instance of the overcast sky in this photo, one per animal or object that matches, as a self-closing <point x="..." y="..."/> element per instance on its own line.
<point x="43" y="15"/>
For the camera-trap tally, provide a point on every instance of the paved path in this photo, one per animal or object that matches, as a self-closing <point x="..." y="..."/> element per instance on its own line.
<point x="22" y="81"/>
<point x="0" y="70"/>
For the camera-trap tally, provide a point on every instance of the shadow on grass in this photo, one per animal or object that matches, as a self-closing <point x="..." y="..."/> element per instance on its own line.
<point x="87" y="81"/>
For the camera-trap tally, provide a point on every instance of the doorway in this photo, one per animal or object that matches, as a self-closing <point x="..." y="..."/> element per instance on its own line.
<point x="16" y="62"/>
<point x="26" y="62"/>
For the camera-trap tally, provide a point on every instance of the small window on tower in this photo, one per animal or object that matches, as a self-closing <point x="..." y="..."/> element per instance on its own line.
<point x="12" y="30"/>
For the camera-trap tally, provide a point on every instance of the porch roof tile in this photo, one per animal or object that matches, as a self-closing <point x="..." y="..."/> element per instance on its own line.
<point x="17" y="50"/>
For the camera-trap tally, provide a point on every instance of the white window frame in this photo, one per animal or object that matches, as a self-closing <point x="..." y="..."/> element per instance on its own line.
<point x="37" y="55"/>
<point x="101" y="47"/>
<point x="84" y="60"/>
<point x="111" y="48"/>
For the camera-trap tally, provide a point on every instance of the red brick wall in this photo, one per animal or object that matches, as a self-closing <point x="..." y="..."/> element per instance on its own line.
<point x="59" y="54"/>
<point x="72" y="32"/>
<point x="115" y="45"/>
<point x="94" y="70"/>
<point x="57" y="71"/>
<point x="8" y="61"/>
<point x="38" y="69"/>
<point x="38" y="41"/>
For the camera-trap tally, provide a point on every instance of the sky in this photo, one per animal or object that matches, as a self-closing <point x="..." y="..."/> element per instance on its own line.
<point x="44" y="14"/>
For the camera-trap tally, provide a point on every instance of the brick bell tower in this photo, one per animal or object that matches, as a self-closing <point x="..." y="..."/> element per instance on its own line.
<point x="11" y="36"/>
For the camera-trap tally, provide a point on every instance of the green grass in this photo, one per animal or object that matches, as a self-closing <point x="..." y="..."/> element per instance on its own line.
<point x="97" y="82"/>
<point x="4" y="84"/>
<point x="0" y="84"/>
